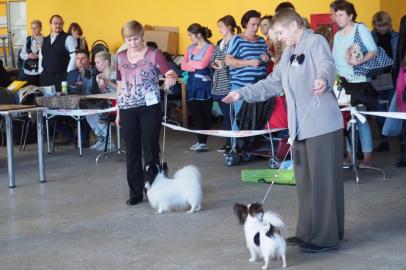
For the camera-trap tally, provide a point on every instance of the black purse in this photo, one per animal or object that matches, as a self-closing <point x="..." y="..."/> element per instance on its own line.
<point x="30" y="64"/>
<point x="362" y="93"/>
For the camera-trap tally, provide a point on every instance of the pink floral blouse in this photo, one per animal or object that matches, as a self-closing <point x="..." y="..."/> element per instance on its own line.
<point x="140" y="78"/>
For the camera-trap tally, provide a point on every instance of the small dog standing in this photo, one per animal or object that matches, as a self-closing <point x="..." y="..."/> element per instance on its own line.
<point x="182" y="192"/>
<point x="264" y="233"/>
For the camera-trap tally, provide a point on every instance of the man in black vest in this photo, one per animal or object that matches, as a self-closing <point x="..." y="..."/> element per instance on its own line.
<point x="57" y="55"/>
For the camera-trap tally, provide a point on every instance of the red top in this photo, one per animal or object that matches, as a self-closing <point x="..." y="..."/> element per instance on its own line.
<point x="279" y="116"/>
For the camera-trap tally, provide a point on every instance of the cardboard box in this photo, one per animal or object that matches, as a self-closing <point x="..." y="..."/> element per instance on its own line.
<point x="167" y="38"/>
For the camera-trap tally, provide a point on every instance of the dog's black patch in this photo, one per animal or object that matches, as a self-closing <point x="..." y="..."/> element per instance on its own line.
<point x="270" y="232"/>
<point x="256" y="239"/>
<point x="150" y="172"/>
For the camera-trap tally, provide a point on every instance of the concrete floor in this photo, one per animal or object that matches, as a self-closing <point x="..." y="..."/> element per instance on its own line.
<point x="79" y="219"/>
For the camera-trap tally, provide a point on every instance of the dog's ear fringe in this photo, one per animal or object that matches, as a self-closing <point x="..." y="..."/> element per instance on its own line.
<point x="241" y="211"/>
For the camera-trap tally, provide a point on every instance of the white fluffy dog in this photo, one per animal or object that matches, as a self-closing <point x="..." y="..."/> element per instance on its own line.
<point x="182" y="192"/>
<point x="264" y="233"/>
<point x="354" y="54"/>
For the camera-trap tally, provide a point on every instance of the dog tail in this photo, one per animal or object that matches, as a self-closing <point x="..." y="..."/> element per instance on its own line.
<point x="190" y="179"/>
<point x="275" y="220"/>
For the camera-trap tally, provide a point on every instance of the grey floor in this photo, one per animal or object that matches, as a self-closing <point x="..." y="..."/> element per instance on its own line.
<point x="78" y="219"/>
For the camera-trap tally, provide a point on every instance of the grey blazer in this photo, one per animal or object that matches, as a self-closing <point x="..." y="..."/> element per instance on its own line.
<point x="296" y="81"/>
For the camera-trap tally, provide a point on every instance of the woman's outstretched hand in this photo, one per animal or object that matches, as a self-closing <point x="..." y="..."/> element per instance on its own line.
<point x="231" y="97"/>
<point x="319" y="87"/>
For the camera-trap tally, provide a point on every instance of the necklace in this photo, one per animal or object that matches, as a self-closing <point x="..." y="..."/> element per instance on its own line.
<point x="136" y="56"/>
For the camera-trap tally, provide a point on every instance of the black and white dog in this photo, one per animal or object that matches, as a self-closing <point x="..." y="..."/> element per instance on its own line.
<point x="264" y="233"/>
<point x="183" y="191"/>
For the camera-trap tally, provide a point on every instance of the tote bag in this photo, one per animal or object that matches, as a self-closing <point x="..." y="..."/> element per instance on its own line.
<point x="374" y="66"/>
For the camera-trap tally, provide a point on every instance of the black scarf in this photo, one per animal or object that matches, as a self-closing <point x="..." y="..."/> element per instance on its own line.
<point x="384" y="41"/>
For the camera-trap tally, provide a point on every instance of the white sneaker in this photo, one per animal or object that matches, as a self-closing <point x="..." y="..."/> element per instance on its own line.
<point x="195" y="146"/>
<point x="202" y="148"/>
<point x="97" y="144"/>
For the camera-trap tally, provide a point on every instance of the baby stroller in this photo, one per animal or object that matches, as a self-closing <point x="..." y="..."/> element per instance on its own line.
<point x="269" y="115"/>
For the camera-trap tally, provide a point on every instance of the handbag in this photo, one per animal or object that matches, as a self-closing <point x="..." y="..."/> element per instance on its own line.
<point x="31" y="64"/>
<point x="362" y="93"/>
<point x="374" y="66"/>
<point x="382" y="82"/>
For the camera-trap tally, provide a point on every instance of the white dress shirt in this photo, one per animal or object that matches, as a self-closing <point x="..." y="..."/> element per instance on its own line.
<point x="70" y="46"/>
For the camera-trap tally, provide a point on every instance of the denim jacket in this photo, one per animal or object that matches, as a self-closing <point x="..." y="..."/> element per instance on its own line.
<point x="89" y="84"/>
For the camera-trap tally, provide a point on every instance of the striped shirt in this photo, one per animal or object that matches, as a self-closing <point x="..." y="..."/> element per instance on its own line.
<point x="242" y="49"/>
<point x="221" y="81"/>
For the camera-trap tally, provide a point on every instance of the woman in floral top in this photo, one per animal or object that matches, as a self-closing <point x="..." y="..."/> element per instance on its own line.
<point x="138" y="99"/>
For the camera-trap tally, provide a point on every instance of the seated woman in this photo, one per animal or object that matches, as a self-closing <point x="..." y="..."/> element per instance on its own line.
<point x="106" y="81"/>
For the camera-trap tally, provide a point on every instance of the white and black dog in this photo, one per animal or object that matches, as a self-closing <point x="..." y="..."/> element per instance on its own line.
<point x="183" y="191"/>
<point x="264" y="233"/>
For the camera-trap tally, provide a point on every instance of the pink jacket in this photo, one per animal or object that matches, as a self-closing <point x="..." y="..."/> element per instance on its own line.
<point x="400" y="87"/>
<point x="191" y="65"/>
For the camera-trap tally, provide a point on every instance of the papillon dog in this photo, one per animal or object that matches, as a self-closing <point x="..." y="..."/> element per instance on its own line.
<point x="183" y="191"/>
<point x="264" y="233"/>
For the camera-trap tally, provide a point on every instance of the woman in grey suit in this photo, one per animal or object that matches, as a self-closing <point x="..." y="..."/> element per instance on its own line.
<point x="306" y="74"/>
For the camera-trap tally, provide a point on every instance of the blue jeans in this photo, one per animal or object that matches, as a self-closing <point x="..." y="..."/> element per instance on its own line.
<point x="384" y="100"/>
<point x="235" y="109"/>
<point x="365" y="134"/>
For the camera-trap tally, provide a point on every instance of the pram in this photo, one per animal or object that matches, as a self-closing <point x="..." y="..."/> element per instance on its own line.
<point x="271" y="114"/>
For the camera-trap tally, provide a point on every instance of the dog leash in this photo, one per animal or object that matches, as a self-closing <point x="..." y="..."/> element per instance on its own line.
<point x="276" y="175"/>
<point x="164" y="133"/>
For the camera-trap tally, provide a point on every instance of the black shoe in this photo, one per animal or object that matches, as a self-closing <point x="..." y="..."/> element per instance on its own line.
<point x="382" y="147"/>
<point x="133" y="201"/>
<point x="340" y="235"/>
<point x="295" y="241"/>
<point x="312" y="248"/>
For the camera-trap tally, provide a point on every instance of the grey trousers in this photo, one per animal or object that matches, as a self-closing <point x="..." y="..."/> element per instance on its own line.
<point x="319" y="181"/>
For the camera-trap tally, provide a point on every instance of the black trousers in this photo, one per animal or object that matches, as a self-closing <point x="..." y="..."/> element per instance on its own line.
<point x="200" y="111"/>
<point x="56" y="79"/>
<point x="140" y="128"/>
